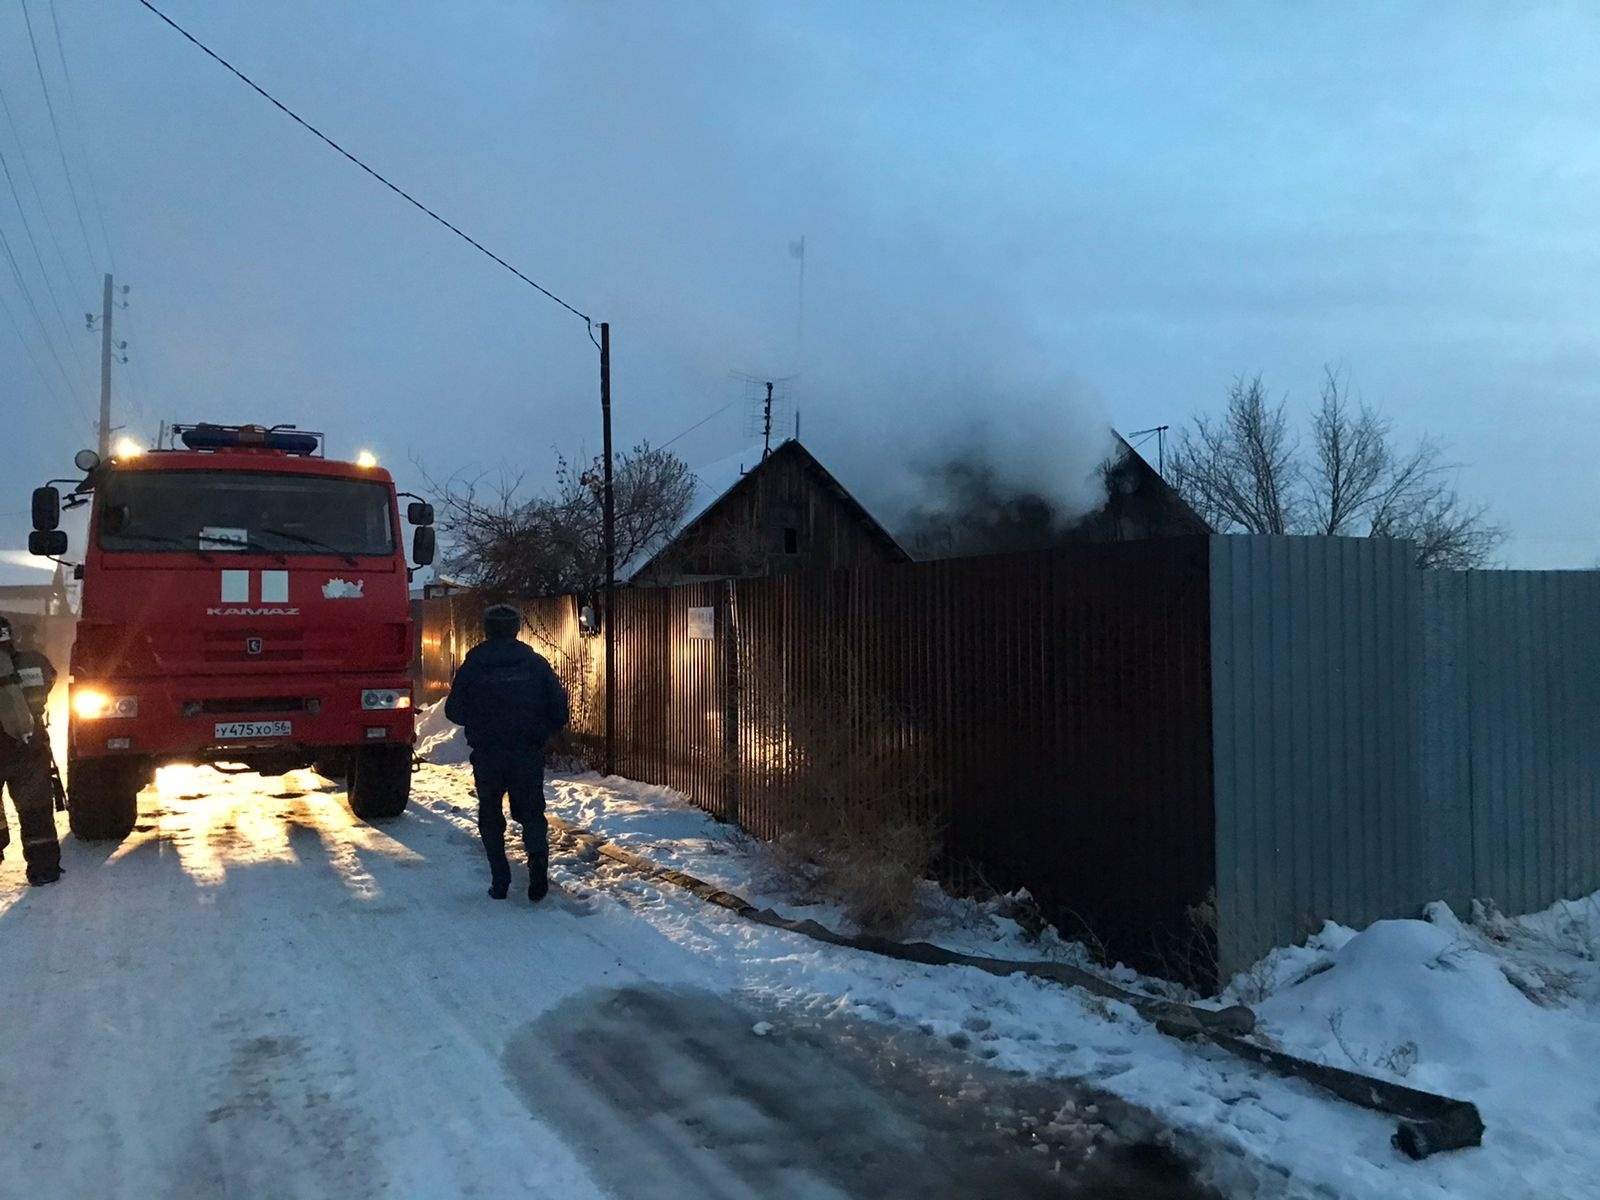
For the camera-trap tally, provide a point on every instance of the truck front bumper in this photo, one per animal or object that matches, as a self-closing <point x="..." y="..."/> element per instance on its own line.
<point x="212" y="720"/>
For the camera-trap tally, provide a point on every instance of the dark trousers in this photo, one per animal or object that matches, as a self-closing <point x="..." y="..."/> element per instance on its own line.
<point x="25" y="770"/>
<point x="519" y="774"/>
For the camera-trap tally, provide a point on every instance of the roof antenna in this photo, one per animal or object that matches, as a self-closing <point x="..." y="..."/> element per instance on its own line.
<point x="766" y="431"/>
<point x="1160" y="432"/>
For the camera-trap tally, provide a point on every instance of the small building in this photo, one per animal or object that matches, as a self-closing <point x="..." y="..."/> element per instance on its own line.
<point x="777" y="514"/>
<point x="41" y="616"/>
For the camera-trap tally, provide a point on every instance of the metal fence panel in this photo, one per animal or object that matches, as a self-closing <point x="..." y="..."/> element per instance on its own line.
<point x="1534" y="713"/>
<point x="1444" y="729"/>
<point x="1314" y="647"/>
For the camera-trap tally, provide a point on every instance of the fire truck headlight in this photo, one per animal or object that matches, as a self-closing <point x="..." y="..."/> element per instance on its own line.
<point x="385" y="698"/>
<point x="92" y="704"/>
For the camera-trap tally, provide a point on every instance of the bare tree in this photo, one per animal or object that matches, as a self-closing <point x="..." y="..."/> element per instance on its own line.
<point x="508" y="546"/>
<point x="1246" y="473"/>
<point x="1240" y="473"/>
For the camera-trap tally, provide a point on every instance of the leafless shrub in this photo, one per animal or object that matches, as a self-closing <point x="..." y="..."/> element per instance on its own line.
<point x="1190" y="957"/>
<point x="508" y="545"/>
<point x="856" y="832"/>
<point x="1548" y="987"/>
<point x="1398" y="1060"/>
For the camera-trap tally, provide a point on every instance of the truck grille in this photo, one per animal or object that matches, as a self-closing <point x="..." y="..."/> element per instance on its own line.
<point x="281" y="645"/>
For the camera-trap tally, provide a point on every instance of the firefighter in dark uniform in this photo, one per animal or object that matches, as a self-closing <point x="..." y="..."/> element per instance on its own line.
<point x="25" y="765"/>
<point x="510" y="702"/>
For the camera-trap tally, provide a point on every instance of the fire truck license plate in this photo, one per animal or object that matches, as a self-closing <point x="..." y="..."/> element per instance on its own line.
<point x="230" y="730"/>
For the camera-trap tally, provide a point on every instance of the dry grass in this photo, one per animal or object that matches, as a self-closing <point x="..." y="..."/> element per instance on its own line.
<point x="856" y="832"/>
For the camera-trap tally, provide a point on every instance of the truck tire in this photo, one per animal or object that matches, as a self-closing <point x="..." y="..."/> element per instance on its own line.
<point x="380" y="781"/>
<point x="103" y="797"/>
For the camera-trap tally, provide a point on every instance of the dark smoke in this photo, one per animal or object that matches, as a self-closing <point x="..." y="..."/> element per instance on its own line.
<point x="975" y="510"/>
<point x="972" y="508"/>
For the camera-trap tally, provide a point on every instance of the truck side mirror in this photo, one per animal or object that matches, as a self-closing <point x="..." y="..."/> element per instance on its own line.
<point x="419" y="512"/>
<point x="47" y="543"/>
<point x="46" y="509"/>
<point x="423" y="546"/>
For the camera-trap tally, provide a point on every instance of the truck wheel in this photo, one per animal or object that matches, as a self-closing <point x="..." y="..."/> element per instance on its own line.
<point x="103" y="797"/>
<point x="380" y="781"/>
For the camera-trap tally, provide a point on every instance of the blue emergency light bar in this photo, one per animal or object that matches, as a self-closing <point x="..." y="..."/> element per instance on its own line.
<point x="285" y="439"/>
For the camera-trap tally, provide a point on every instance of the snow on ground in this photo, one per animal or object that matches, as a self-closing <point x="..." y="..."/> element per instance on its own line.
<point x="438" y="740"/>
<point x="1505" y="1013"/>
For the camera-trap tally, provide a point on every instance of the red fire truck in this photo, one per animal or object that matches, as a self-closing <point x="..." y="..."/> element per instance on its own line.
<point x="245" y="602"/>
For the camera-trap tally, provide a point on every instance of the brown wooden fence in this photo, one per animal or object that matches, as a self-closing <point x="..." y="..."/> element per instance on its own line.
<point x="1051" y="709"/>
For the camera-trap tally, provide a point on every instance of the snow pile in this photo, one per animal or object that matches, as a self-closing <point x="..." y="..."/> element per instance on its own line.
<point x="438" y="740"/>
<point x="1504" y="1013"/>
<point x="1500" y="1012"/>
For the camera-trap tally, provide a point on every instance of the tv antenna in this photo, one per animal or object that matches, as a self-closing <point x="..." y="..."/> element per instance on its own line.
<point x="1159" y="432"/>
<point x="767" y="401"/>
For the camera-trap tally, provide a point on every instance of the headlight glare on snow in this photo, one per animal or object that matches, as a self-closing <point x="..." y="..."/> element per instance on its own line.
<point x="385" y="698"/>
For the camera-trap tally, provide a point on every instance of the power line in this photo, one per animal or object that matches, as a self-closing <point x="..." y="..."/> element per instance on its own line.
<point x="33" y="242"/>
<point x="44" y="376"/>
<point x="83" y="227"/>
<point x="699" y="423"/>
<point x="77" y="121"/>
<point x="395" y="188"/>
<point x="33" y="183"/>
<point x="33" y="308"/>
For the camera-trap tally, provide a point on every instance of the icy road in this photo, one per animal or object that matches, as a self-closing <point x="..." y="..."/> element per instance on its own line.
<point x="257" y="996"/>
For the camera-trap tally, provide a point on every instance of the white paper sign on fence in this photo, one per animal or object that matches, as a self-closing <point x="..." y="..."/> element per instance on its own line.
<point x="703" y="623"/>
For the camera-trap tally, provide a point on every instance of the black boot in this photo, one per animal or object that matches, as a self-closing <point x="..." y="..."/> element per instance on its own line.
<point x="499" y="889"/>
<point x="538" y="885"/>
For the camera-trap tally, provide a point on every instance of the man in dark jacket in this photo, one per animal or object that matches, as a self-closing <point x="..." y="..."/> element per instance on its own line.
<point x="25" y="681"/>
<point x="510" y="702"/>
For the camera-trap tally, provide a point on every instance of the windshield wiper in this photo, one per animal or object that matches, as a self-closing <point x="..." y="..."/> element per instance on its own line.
<point x="233" y="545"/>
<point x="164" y="539"/>
<point x="316" y="542"/>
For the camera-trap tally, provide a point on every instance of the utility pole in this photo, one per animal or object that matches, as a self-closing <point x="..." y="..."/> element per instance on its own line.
<point x="610" y="534"/>
<point x="105" y="374"/>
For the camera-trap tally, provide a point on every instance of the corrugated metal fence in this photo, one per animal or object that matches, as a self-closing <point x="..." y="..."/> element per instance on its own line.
<point x="1050" y="710"/>
<point x="1517" y="707"/>
<point x="1387" y="736"/>
<point x="1310" y="726"/>
<point x="1312" y="681"/>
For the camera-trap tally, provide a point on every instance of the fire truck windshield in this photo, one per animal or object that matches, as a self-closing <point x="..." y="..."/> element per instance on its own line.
<point x="220" y="511"/>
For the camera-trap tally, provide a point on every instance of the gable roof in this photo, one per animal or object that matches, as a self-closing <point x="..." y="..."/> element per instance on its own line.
<point x="1130" y="459"/>
<point x="722" y="480"/>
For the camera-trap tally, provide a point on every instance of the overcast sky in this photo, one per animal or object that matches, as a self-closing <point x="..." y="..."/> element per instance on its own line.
<point x="1023" y="222"/>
